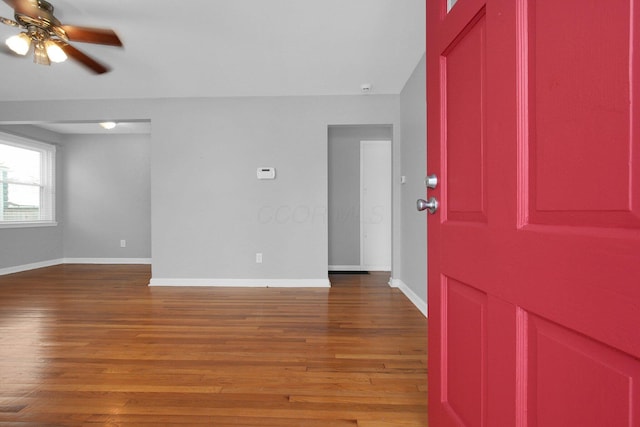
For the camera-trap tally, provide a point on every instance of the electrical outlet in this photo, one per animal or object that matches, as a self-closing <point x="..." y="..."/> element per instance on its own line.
<point x="259" y="257"/>
<point x="123" y="243"/>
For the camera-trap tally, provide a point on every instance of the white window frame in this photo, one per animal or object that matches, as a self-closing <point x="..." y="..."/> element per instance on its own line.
<point x="47" y="180"/>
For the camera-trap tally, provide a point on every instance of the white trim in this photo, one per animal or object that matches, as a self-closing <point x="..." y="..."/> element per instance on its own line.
<point x="346" y="268"/>
<point x="359" y="268"/>
<point x="46" y="184"/>
<point x="376" y="267"/>
<point x="361" y="203"/>
<point x="49" y="263"/>
<point x="28" y="224"/>
<point x="27" y="267"/>
<point x="247" y="283"/>
<point x="406" y="290"/>
<point x="25" y="142"/>
<point x="107" y="260"/>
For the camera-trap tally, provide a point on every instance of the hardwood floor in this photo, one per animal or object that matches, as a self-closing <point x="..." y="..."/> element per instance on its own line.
<point x="84" y="345"/>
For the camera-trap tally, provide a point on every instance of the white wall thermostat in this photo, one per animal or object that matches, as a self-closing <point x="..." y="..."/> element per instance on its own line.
<point x="266" y="173"/>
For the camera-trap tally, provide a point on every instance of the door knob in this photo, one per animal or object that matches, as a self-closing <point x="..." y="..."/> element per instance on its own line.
<point x="431" y="181"/>
<point x="431" y="205"/>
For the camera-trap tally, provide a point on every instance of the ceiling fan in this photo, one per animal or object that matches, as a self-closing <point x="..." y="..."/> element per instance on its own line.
<point x="50" y="39"/>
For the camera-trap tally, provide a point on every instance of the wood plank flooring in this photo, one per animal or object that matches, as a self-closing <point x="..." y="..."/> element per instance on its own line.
<point x="85" y="345"/>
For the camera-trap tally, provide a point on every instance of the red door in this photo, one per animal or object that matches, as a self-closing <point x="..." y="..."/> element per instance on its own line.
<point x="534" y="253"/>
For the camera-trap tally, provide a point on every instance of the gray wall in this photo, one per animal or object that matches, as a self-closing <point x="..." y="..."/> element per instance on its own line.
<point x="413" y="110"/>
<point x="107" y="196"/>
<point x="344" y="189"/>
<point x="23" y="246"/>
<point x="209" y="213"/>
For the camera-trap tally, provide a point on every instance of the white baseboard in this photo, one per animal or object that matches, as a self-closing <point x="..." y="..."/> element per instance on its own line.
<point x="107" y="260"/>
<point x="345" y="268"/>
<point x="31" y="266"/>
<point x="376" y="267"/>
<point x="359" y="268"/>
<point x="406" y="290"/>
<point x="247" y="283"/>
<point x="49" y="263"/>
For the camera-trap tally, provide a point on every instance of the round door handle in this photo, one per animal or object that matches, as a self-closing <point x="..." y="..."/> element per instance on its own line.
<point x="430" y="205"/>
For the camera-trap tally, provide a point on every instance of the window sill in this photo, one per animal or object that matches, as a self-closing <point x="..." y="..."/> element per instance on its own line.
<point x="28" y="224"/>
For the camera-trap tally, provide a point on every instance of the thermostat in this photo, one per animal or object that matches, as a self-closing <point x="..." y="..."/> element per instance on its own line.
<point x="266" y="173"/>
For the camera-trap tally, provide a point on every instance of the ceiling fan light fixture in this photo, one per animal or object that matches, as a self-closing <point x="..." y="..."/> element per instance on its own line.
<point x="20" y="43"/>
<point x="40" y="54"/>
<point x="108" y="125"/>
<point x="54" y="51"/>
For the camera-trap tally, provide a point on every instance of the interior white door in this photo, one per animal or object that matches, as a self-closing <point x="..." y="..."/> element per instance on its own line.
<point x="375" y="205"/>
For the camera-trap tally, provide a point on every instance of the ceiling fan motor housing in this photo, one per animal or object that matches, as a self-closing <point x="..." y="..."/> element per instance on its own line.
<point x="40" y="16"/>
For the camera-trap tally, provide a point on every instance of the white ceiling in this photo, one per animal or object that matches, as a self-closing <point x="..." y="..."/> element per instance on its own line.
<point x="211" y="48"/>
<point x="85" y="128"/>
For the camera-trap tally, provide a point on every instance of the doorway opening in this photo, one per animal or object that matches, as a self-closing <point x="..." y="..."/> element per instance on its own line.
<point x="359" y="205"/>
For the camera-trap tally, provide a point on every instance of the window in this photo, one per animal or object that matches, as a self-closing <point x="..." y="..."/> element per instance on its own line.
<point x="27" y="182"/>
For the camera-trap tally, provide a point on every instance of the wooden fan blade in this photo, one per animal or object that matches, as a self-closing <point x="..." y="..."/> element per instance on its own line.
<point x="92" y="35"/>
<point x="83" y="59"/>
<point x="11" y="3"/>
